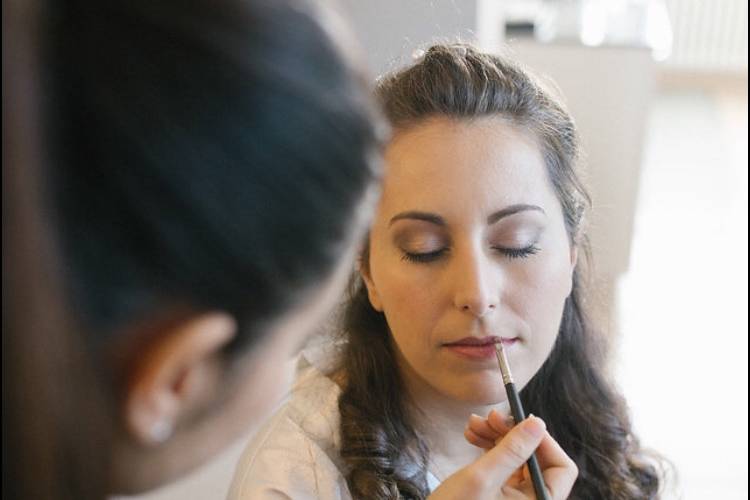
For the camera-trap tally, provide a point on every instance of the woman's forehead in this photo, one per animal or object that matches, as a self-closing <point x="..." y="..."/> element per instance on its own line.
<point x="454" y="164"/>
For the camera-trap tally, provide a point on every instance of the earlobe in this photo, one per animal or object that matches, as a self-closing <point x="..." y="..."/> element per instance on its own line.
<point x="372" y="292"/>
<point x="175" y="373"/>
<point x="151" y="417"/>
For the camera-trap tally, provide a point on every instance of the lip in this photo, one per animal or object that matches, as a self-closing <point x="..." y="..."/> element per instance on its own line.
<point x="479" y="348"/>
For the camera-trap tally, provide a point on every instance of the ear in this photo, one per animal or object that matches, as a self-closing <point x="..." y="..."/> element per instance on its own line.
<point x="175" y="373"/>
<point x="372" y="291"/>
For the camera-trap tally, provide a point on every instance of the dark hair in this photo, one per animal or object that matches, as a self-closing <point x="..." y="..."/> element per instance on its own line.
<point x="212" y="155"/>
<point x="582" y="410"/>
<point x="203" y="155"/>
<point x="46" y="369"/>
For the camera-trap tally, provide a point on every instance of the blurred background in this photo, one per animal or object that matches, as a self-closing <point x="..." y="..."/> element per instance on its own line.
<point x="659" y="91"/>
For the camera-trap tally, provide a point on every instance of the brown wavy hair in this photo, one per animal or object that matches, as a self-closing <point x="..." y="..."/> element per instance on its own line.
<point x="381" y="448"/>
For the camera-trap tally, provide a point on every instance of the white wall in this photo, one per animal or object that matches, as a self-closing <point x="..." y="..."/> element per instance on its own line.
<point x="391" y="30"/>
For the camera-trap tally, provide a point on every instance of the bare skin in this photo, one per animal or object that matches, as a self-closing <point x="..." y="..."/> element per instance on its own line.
<point x="469" y="242"/>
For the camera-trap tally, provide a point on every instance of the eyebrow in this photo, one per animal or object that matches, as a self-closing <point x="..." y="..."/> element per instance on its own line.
<point x="513" y="209"/>
<point x="439" y="221"/>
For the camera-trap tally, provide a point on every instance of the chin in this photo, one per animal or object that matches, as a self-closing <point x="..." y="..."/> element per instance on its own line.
<point x="484" y="392"/>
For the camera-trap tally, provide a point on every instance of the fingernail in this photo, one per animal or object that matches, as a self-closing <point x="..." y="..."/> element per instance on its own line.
<point x="475" y="416"/>
<point x="509" y="421"/>
<point x="535" y="426"/>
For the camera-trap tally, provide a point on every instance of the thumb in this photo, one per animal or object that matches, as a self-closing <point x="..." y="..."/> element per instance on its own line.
<point x="512" y="451"/>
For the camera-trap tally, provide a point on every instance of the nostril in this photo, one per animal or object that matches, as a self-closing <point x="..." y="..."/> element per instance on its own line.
<point x="479" y="309"/>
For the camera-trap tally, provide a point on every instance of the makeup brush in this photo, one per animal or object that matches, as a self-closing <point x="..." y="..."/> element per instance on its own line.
<point x="516" y="410"/>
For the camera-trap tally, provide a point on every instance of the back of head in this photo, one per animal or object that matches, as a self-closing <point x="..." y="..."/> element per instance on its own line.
<point x="199" y="155"/>
<point x="210" y="154"/>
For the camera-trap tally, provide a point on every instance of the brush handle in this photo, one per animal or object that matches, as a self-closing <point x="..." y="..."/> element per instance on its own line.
<point x="516" y="409"/>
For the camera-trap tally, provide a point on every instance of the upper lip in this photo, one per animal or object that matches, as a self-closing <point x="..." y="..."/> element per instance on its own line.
<point x="481" y="341"/>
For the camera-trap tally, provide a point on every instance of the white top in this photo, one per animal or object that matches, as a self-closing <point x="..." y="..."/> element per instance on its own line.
<point x="295" y="455"/>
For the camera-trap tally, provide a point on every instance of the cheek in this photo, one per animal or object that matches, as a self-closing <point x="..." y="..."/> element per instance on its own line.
<point x="409" y="322"/>
<point x="393" y="283"/>
<point x="409" y="300"/>
<point x="543" y="287"/>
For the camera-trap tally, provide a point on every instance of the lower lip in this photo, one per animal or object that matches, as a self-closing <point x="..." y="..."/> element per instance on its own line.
<point x="478" y="352"/>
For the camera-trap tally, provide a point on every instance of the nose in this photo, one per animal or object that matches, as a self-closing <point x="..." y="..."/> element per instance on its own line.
<point x="476" y="285"/>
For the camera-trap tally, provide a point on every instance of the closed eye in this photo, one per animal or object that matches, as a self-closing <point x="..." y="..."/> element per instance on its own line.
<point x="518" y="253"/>
<point x="424" y="257"/>
<point x="511" y="253"/>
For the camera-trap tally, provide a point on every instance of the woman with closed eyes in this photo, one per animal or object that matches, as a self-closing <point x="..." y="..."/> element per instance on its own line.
<point x="478" y="239"/>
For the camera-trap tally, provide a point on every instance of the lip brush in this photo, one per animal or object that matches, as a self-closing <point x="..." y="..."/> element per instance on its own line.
<point x="516" y="410"/>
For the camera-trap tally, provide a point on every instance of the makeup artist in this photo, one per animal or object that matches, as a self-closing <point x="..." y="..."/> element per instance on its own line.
<point x="183" y="187"/>
<point x="479" y="238"/>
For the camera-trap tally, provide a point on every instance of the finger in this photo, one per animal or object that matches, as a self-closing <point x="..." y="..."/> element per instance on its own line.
<point x="550" y="454"/>
<point x="502" y="424"/>
<point x="482" y="428"/>
<point x="477" y="440"/>
<point x="512" y="451"/>
<point x="558" y="469"/>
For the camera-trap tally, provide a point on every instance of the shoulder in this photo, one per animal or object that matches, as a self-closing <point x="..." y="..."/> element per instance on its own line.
<point x="295" y="455"/>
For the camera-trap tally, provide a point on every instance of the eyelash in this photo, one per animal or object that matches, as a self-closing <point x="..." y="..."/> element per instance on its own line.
<point x="518" y="253"/>
<point x="424" y="257"/>
<point x="510" y="253"/>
